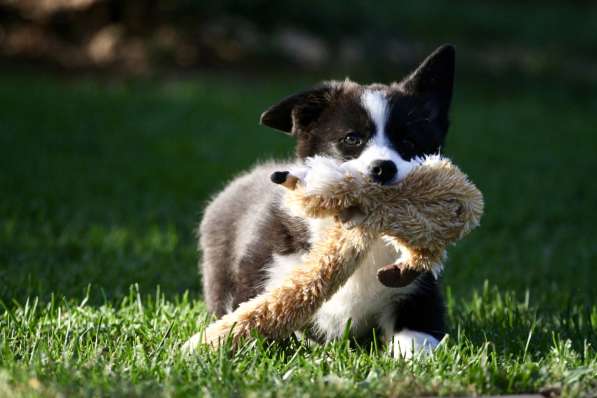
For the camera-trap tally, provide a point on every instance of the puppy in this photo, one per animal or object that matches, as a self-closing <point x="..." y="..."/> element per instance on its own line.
<point x="250" y="240"/>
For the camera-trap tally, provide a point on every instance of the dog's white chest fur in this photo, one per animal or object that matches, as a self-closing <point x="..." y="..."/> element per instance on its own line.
<point x="360" y="300"/>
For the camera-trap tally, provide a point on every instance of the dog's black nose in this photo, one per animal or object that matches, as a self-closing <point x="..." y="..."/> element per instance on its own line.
<point x="382" y="171"/>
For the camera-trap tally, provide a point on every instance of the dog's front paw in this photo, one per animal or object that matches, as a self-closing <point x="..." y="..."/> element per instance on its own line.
<point x="407" y="344"/>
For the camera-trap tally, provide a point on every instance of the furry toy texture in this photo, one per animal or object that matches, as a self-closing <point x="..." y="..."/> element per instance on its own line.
<point x="433" y="206"/>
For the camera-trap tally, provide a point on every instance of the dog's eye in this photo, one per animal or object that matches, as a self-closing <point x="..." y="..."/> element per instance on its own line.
<point x="352" y="139"/>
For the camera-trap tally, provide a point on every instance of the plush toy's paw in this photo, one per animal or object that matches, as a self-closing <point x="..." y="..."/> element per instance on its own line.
<point x="285" y="179"/>
<point x="397" y="275"/>
<point x="218" y="332"/>
<point x="191" y="345"/>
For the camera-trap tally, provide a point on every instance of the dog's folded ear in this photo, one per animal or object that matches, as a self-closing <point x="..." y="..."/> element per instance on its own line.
<point x="434" y="77"/>
<point x="297" y="112"/>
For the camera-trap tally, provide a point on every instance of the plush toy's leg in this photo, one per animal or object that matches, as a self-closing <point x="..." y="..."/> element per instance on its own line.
<point x="287" y="307"/>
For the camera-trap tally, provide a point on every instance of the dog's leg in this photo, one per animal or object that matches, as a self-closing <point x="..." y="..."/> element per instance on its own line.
<point x="405" y="343"/>
<point x="414" y="323"/>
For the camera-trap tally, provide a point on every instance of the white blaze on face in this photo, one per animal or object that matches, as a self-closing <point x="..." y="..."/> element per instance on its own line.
<point x="379" y="147"/>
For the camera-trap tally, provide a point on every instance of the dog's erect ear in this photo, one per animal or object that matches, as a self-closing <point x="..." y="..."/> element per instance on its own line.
<point x="434" y="77"/>
<point x="298" y="111"/>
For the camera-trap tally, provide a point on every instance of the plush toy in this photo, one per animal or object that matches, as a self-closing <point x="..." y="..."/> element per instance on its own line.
<point x="433" y="206"/>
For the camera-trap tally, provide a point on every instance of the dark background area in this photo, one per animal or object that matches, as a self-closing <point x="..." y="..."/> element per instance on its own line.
<point x="533" y="37"/>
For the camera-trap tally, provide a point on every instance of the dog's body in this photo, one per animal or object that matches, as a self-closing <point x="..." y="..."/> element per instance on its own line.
<point x="250" y="240"/>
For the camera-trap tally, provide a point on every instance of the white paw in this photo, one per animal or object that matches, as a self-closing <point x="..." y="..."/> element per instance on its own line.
<point x="409" y="343"/>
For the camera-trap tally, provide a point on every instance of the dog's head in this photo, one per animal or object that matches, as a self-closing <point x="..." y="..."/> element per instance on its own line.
<point x="380" y="129"/>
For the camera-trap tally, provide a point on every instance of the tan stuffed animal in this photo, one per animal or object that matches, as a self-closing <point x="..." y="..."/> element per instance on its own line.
<point x="433" y="206"/>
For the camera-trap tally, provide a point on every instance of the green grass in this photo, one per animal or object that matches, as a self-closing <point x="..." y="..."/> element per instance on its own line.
<point x="102" y="183"/>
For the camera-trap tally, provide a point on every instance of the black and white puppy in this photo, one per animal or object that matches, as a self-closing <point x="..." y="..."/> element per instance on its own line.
<point x="250" y="239"/>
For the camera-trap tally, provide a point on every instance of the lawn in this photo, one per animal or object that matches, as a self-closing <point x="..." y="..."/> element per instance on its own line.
<point x="102" y="183"/>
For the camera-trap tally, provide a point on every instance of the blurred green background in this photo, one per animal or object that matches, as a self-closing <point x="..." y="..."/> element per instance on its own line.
<point x="120" y="119"/>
